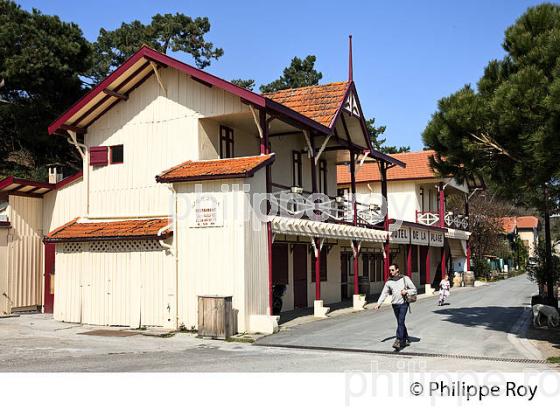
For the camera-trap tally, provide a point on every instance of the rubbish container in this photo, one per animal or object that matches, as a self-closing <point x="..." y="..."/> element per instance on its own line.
<point x="215" y="317"/>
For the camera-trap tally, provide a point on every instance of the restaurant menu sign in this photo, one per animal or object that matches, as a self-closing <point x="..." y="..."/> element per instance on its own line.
<point x="436" y="239"/>
<point x="419" y="237"/>
<point x="207" y="211"/>
<point x="401" y="235"/>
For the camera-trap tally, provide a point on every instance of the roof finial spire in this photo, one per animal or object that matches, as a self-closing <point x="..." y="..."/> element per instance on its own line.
<point x="350" y="68"/>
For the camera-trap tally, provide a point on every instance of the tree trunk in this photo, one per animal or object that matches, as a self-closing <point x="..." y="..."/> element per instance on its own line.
<point x="548" y="248"/>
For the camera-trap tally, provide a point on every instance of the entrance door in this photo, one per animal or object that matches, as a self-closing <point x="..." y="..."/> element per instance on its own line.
<point x="344" y="270"/>
<point x="48" y="303"/>
<point x="300" y="275"/>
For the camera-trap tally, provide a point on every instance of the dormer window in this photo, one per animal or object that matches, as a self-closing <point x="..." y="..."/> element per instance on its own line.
<point x="226" y="142"/>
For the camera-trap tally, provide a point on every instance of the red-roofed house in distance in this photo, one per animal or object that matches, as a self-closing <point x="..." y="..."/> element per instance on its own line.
<point x="430" y="240"/>
<point x="172" y="158"/>
<point x="527" y="227"/>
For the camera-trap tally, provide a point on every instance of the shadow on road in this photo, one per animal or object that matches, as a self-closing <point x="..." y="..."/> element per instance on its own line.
<point x="498" y="318"/>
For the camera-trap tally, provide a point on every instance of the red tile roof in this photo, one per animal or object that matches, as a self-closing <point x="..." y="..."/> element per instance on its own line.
<point x="318" y="102"/>
<point x="508" y="224"/>
<point x="129" y="229"/>
<point x="239" y="167"/>
<point x="417" y="167"/>
<point x="520" y="222"/>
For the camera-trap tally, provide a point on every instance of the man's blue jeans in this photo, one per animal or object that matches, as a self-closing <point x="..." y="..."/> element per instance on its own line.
<point x="400" y="313"/>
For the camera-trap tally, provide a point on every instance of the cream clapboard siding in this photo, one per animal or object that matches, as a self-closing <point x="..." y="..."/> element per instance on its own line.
<point x="231" y="260"/>
<point x="124" y="283"/>
<point x="4" y="306"/>
<point x="24" y="253"/>
<point x="63" y="205"/>
<point x="157" y="132"/>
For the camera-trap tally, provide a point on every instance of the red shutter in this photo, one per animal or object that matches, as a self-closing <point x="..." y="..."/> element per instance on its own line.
<point x="98" y="156"/>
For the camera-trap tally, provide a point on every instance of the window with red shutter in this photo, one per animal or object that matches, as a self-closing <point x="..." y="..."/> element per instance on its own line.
<point x="98" y="156"/>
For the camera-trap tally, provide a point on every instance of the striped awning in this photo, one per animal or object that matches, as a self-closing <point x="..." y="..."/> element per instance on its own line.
<point x="318" y="229"/>
<point x="457" y="234"/>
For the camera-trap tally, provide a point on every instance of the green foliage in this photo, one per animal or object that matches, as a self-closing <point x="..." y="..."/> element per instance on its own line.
<point x="175" y="32"/>
<point x="538" y="272"/>
<point x="300" y="73"/>
<point x="248" y="84"/>
<point x="41" y="61"/>
<point x="481" y="268"/>
<point x="508" y="129"/>
<point x="520" y="252"/>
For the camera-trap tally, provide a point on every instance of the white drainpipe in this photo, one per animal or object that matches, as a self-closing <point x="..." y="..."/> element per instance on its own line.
<point x="84" y="152"/>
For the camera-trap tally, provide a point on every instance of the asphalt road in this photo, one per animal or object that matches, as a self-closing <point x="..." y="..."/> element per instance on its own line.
<point x="476" y="322"/>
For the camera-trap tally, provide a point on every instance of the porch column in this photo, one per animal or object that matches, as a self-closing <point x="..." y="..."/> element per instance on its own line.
<point x="317" y="269"/>
<point x="468" y="265"/>
<point x="409" y="261"/>
<point x="387" y="246"/>
<point x="428" y="279"/>
<point x="354" y="216"/>
<point x="443" y="267"/>
<point x="318" y="309"/>
<point x="265" y="149"/>
<point x="442" y="224"/>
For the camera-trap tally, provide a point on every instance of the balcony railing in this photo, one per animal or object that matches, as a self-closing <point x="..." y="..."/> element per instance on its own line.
<point x="335" y="210"/>
<point x="450" y="220"/>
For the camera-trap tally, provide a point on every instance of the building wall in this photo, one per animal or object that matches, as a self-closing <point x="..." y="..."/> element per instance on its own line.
<point x="4" y="305"/>
<point x="122" y="283"/>
<point x="529" y="238"/>
<point x="227" y="260"/>
<point x="63" y="205"/>
<point x="158" y="131"/>
<point x="24" y="281"/>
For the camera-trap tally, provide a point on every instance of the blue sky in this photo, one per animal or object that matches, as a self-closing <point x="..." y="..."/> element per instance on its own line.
<point x="407" y="54"/>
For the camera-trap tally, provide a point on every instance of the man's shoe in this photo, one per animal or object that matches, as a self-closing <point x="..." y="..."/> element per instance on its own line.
<point x="397" y="345"/>
<point x="407" y="342"/>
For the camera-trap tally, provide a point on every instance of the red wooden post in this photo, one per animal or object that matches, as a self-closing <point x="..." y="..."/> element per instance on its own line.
<point x="265" y="149"/>
<point x="386" y="261"/>
<point x="317" y="270"/>
<point x="442" y="225"/>
<point x="315" y="216"/>
<point x="443" y="267"/>
<point x="409" y="261"/>
<point x="356" y="288"/>
<point x="428" y="279"/>
<point x="387" y="246"/>
<point x="468" y="256"/>
<point x="354" y="207"/>
<point x="441" y="205"/>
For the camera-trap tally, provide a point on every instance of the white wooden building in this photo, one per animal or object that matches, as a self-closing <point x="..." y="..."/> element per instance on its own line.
<point x="427" y="239"/>
<point x="175" y="165"/>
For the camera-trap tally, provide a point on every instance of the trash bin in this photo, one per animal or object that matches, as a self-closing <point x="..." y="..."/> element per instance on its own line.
<point x="215" y="317"/>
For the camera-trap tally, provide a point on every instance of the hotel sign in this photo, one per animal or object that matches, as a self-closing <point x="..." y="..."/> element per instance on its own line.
<point x="207" y="211"/>
<point x="400" y="236"/>
<point x="436" y="239"/>
<point x="419" y="236"/>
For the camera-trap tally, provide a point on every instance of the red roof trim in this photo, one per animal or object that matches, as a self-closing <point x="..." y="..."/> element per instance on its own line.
<point x="68" y="180"/>
<point x="153" y="55"/>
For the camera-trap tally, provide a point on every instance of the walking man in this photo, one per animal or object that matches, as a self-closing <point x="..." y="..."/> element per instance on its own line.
<point x="399" y="287"/>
